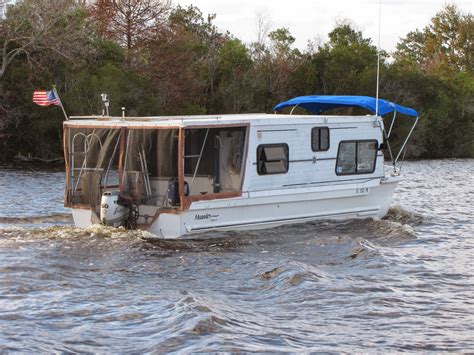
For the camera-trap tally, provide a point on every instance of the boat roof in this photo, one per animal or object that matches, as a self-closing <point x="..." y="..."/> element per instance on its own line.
<point x="317" y="104"/>
<point x="314" y="104"/>
<point x="206" y="120"/>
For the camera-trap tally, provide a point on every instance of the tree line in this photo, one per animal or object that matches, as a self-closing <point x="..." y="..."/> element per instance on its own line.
<point x="158" y="59"/>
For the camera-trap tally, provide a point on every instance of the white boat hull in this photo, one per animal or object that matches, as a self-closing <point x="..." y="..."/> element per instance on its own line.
<point x="266" y="209"/>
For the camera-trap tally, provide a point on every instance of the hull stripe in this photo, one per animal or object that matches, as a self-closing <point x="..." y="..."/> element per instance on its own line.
<point x="281" y="220"/>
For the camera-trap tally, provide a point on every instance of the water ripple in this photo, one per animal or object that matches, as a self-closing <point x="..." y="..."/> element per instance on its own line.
<point x="402" y="284"/>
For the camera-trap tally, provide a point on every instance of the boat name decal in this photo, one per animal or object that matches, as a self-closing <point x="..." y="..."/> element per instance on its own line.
<point x="205" y="216"/>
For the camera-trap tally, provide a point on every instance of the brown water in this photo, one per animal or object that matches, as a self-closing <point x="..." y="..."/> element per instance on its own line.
<point x="402" y="284"/>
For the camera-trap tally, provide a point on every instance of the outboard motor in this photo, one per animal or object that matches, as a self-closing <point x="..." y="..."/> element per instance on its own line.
<point x="111" y="212"/>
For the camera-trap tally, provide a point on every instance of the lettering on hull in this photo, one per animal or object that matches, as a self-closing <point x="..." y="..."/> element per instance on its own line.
<point x="207" y="216"/>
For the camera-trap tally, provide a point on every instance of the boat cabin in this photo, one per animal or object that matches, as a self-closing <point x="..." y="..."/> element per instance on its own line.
<point x="191" y="171"/>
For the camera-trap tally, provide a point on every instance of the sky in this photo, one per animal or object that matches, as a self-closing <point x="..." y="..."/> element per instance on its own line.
<point x="314" y="19"/>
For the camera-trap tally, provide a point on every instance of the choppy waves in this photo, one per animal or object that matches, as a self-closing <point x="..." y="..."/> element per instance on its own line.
<point x="399" y="284"/>
<point x="58" y="218"/>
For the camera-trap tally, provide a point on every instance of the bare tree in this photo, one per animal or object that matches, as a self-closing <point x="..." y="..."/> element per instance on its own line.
<point x="37" y="28"/>
<point x="312" y="46"/>
<point x="263" y="26"/>
<point x="129" y="21"/>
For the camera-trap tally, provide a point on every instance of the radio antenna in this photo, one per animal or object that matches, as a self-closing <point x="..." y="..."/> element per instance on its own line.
<point x="378" y="64"/>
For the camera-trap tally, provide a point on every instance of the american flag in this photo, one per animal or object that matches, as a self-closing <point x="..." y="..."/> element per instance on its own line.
<point x="45" y="98"/>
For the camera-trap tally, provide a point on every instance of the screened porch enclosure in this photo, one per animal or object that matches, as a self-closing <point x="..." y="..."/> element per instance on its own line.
<point x="93" y="164"/>
<point x="150" y="164"/>
<point x="139" y="163"/>
<point x="143" y="164"/>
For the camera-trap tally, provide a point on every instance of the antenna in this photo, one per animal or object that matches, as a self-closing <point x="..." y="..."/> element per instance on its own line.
<point x="378" y="64"/>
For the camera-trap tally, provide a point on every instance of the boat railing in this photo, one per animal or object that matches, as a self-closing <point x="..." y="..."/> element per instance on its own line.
<point x="386" y="135"/>
<point x="77" y="172"/>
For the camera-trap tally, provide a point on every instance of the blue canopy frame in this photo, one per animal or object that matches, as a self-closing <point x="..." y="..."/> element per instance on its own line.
<point x="317" y="104"/>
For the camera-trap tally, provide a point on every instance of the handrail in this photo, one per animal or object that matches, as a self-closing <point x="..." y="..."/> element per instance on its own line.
<point x="87" y="145"/>
<point x="199" y="160"/>
<point x="110" y="162"/>
<point x="387" y="140"/>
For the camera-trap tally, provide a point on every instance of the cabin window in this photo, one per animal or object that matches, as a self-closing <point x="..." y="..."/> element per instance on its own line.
<point x="320" y="139"/>
<point x="272" y="159"/>
<point x="356" y="157"/>
<point x="213" y="159"/>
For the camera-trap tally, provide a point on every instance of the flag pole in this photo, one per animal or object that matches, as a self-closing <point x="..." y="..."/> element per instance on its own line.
<point x="60" y="102"/>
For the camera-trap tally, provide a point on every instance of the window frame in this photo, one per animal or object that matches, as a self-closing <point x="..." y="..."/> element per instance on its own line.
<point x="356" y="141"/>
<point x="260" y="147"/>
<point x="319" y="136"/>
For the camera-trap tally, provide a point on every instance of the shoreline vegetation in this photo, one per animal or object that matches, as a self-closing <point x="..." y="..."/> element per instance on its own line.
<point x="154" y="58"/>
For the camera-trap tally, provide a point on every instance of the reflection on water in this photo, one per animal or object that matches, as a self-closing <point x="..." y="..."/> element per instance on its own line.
<point x="401" y="284"/>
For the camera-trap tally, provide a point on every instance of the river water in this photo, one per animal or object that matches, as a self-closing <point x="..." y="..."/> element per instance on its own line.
<point x="405" y="283"/>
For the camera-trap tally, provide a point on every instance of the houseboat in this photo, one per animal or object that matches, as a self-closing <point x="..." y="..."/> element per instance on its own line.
<point x="179" y="176"/>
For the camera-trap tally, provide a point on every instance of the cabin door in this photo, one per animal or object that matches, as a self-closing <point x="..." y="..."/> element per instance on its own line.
<point x="229" y="160"/>
<point x="213" y="159"/>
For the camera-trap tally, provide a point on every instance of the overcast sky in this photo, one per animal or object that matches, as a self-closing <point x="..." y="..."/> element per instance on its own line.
<point x="313" y="19"/>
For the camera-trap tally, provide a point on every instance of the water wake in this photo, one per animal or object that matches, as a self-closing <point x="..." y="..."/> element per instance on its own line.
<point x="398" y="214"/>
<point x="50" y="219"/>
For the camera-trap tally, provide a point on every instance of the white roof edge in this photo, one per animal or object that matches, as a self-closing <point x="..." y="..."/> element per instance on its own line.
<point x="243" y="119"/>
<point x="211" y="117"/>
<point x="159" y="118"/>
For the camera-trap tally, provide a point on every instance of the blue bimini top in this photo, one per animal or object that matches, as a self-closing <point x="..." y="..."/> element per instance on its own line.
<point x="317" y="104"/>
